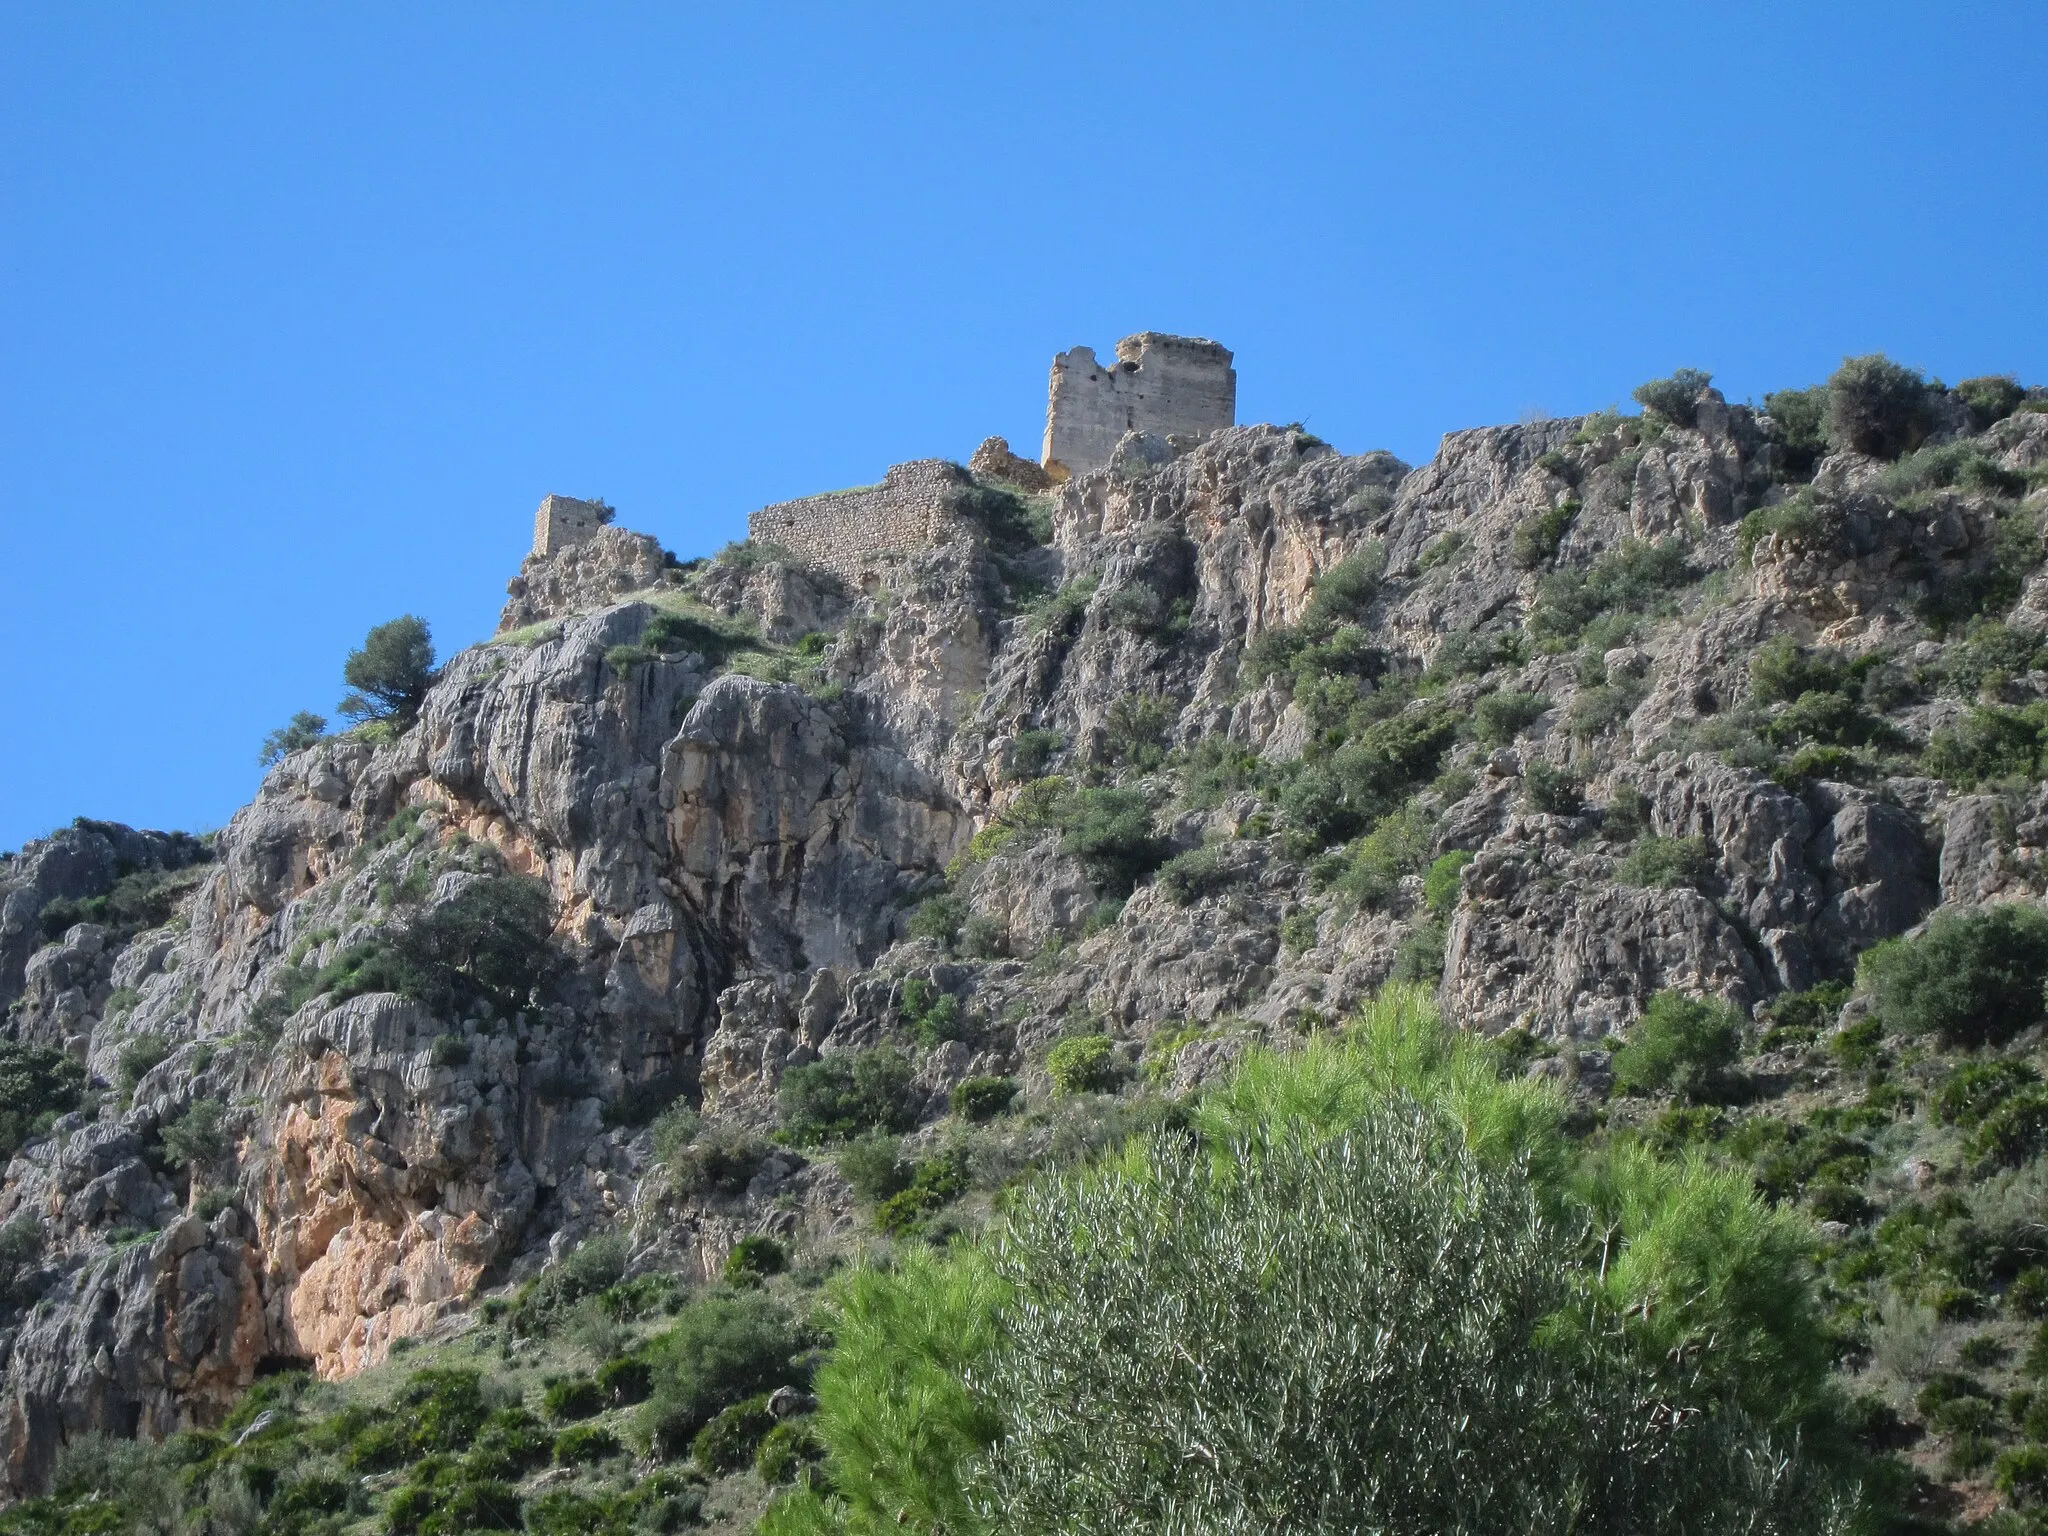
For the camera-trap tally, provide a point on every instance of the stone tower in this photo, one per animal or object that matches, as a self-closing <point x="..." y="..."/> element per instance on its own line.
<point x="564" y="521"/>
<point x="1158" y="384"/>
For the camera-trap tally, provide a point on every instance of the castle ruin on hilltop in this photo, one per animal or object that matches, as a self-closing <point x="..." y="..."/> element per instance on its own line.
<point x="565" y="521"/>
<point x="1159" y="385"/>
<point x="1164" y="386"/>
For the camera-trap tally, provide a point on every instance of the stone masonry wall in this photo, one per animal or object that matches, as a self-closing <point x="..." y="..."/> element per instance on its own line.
<point x="565" y="521"/>
<point x="843" y="531"/>
<point x="1159" y="384"/>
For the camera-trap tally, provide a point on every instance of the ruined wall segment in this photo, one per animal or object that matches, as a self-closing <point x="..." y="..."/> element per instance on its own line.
<point x="1164" y="385"/>
<point x="844" y="531"/>
<point x="565" y="521"/>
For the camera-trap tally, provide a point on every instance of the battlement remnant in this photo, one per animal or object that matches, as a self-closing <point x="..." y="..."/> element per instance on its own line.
<point x="1162" y="385"/>
<point x="566" y="521"/>
<point x="843" y="531"/>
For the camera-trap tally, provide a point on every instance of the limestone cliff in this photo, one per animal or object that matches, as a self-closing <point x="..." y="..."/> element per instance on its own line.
<point x="741" y="785"/>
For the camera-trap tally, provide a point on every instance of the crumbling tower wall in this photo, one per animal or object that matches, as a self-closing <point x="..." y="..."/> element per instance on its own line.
<point x="564" y="521"/>
<point x="1164" y="385"/>
<point x="843" y="531"/>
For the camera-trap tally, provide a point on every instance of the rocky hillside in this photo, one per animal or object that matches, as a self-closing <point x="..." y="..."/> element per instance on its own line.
<point x="703" y="877"/>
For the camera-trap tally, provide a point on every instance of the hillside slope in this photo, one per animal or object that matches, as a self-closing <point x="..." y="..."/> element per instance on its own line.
<point x="1201" y="749"/>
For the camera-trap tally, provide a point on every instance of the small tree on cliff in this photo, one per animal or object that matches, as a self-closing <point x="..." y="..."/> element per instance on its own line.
<point x="196" y="1141"/>
<point x="389" y="677"/>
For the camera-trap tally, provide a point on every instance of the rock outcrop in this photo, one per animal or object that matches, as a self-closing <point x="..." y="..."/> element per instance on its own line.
<point x="758" y="800"/>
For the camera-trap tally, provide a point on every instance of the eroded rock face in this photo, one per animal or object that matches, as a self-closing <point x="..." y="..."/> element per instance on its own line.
<point x="601" y="570"/>
<point x="795" y="844"/>
<point x="72" y="865"/>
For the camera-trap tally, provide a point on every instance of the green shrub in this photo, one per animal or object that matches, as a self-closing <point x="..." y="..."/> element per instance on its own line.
<point x="1799" y="1017"/>
<point x="1797" y="520"/>
<point x="1832" y="719"/>
<point x="1419" y="957"/>
<point x="1344" y="593"/>
<point x="1798" y="425"/>
<point x="730" y="1440"/>
<point x="983" y="1098"/>
<point x="931" y="1016"/>
<point x="1993" y="650"/>
<point x="786" y="1450"/>
<point x="1972" y="978"/>
<point x="1062" y="612"/>
<point x="584" y="1444"/>
<point x="441" y="1409"/>
<point x="1974" y="1091"/>
<point x="1188" y="877"/>
<point x="873" y="1167"/>
<point x="577" y="1397"/>
<point x="142" y="898"/>
<point x="939" y="917"/>
<point x="983" y="937"/>
<point x="1991" y="398"/>
<point x="1134" y="731"/>
<point x="1632" y="577"/>
<point x="1676" y="399"/>
<point x="37" y="1085"/>
<point x="1500" y="717"/>
<point x="1877" y="407"/>
<point x="1082" y="1064"/>
<point x="449" y="1051"/>
<point x="1373" y="773"/>
<point x="755" y="1258"/>
<point x="1299" y="930"/>
<point x="722" y="1350"/>
<point x="1681" y="1044"/>
<point x="720" y="1160"/>
<point x="1988" y="743"/>
<point x="844" y="1094"/>
<point x="1110" y="831"/>
<point x="1627" y="815"/>
<point x="2014" y="1132"/>
<point x="1781" y="669"/>
<point x="2028" y="1297"/>
<point x="1858" y="1046"/>
<point x="1537" y="538"/>
<point x="196" y="1139"/>
<point x="901" y="1424"/>
<point x="1032" y="752"/>
<point x="1598" y="710"/>
<point x="1471" y="653"/>
<point x="1441" y="886"/>
<point x="934" y="1181"/>
<point x="2022" y="1474"/>
<point x="1442" y="550"/>
<point x="1664" y="863"/>
<point x="295" y="735"/>
<point x="1551" y="790"/>
<point x="1398" y="846"/>
<point x="389" y="676"/>
<point x="624" y="1380"/>
<point x="591" y="1268"/>
<point x="1014" y="523"/>
<point x="1950" y="466"/>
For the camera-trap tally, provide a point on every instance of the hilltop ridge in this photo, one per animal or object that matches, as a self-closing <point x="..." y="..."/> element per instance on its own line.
<point x="697" y="866"/>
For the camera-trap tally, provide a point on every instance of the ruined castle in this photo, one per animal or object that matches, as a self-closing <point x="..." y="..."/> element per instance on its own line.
<point x="1163" y="386"/>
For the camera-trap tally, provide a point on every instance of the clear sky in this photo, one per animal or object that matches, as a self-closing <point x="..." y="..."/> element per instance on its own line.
<point x="303" y="307"/>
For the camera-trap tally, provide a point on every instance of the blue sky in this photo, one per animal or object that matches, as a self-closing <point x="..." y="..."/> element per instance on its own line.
<point x="303" y="308"/>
